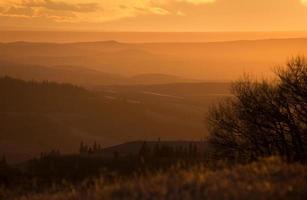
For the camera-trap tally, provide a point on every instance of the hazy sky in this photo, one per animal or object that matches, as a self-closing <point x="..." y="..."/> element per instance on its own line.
<point x="154" y="15"/>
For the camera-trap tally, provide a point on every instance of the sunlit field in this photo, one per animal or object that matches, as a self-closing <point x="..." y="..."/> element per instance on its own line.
<point x="265" y="179"/>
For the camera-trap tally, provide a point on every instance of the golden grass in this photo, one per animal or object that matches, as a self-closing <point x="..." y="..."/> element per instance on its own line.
<point x="266" y="179"/>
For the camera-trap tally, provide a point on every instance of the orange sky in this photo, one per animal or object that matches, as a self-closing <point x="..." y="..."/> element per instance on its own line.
<point x="154" y="15"/>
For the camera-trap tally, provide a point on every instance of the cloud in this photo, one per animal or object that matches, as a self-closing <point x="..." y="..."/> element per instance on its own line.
<point x="57" y="16"/>
<point x="162" y="14"/>
<point x="90" y="11"/>
<point x="61" y="5"/>
<point x="152" y="10"/>
<point x="197" y="2"/>
<point x="58" y="11"/>
<point x="93" y="10"/>
<point x="18" y="11"/>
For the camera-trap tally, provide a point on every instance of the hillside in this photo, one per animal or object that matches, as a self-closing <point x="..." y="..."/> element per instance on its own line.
<point x="40" y="116"/>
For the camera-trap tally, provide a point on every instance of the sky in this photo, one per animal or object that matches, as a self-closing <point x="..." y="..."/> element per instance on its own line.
<point x="154" y="15"/>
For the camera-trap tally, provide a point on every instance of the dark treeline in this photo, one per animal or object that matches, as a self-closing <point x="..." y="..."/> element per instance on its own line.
<point x="151" y="149"/>
<point x="88" y="149"/>
<point x="91" y="161"/>
<point x="264" y="118"/>
<point x="160" y="150"/>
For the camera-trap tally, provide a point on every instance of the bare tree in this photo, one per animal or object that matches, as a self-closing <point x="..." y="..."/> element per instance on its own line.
<point x="263" y="118"/>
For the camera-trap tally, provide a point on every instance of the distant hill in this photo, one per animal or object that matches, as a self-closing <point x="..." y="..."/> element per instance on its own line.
<point x="80" y="75"/>
<point x="65" y="74"/>
<point x="211" y="61"/>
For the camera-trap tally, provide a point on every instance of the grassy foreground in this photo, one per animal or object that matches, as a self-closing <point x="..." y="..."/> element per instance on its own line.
<point x="266" y="179"/>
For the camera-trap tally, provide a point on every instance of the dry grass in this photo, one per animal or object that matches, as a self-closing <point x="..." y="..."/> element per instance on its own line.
<point x="266" y="179"/>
